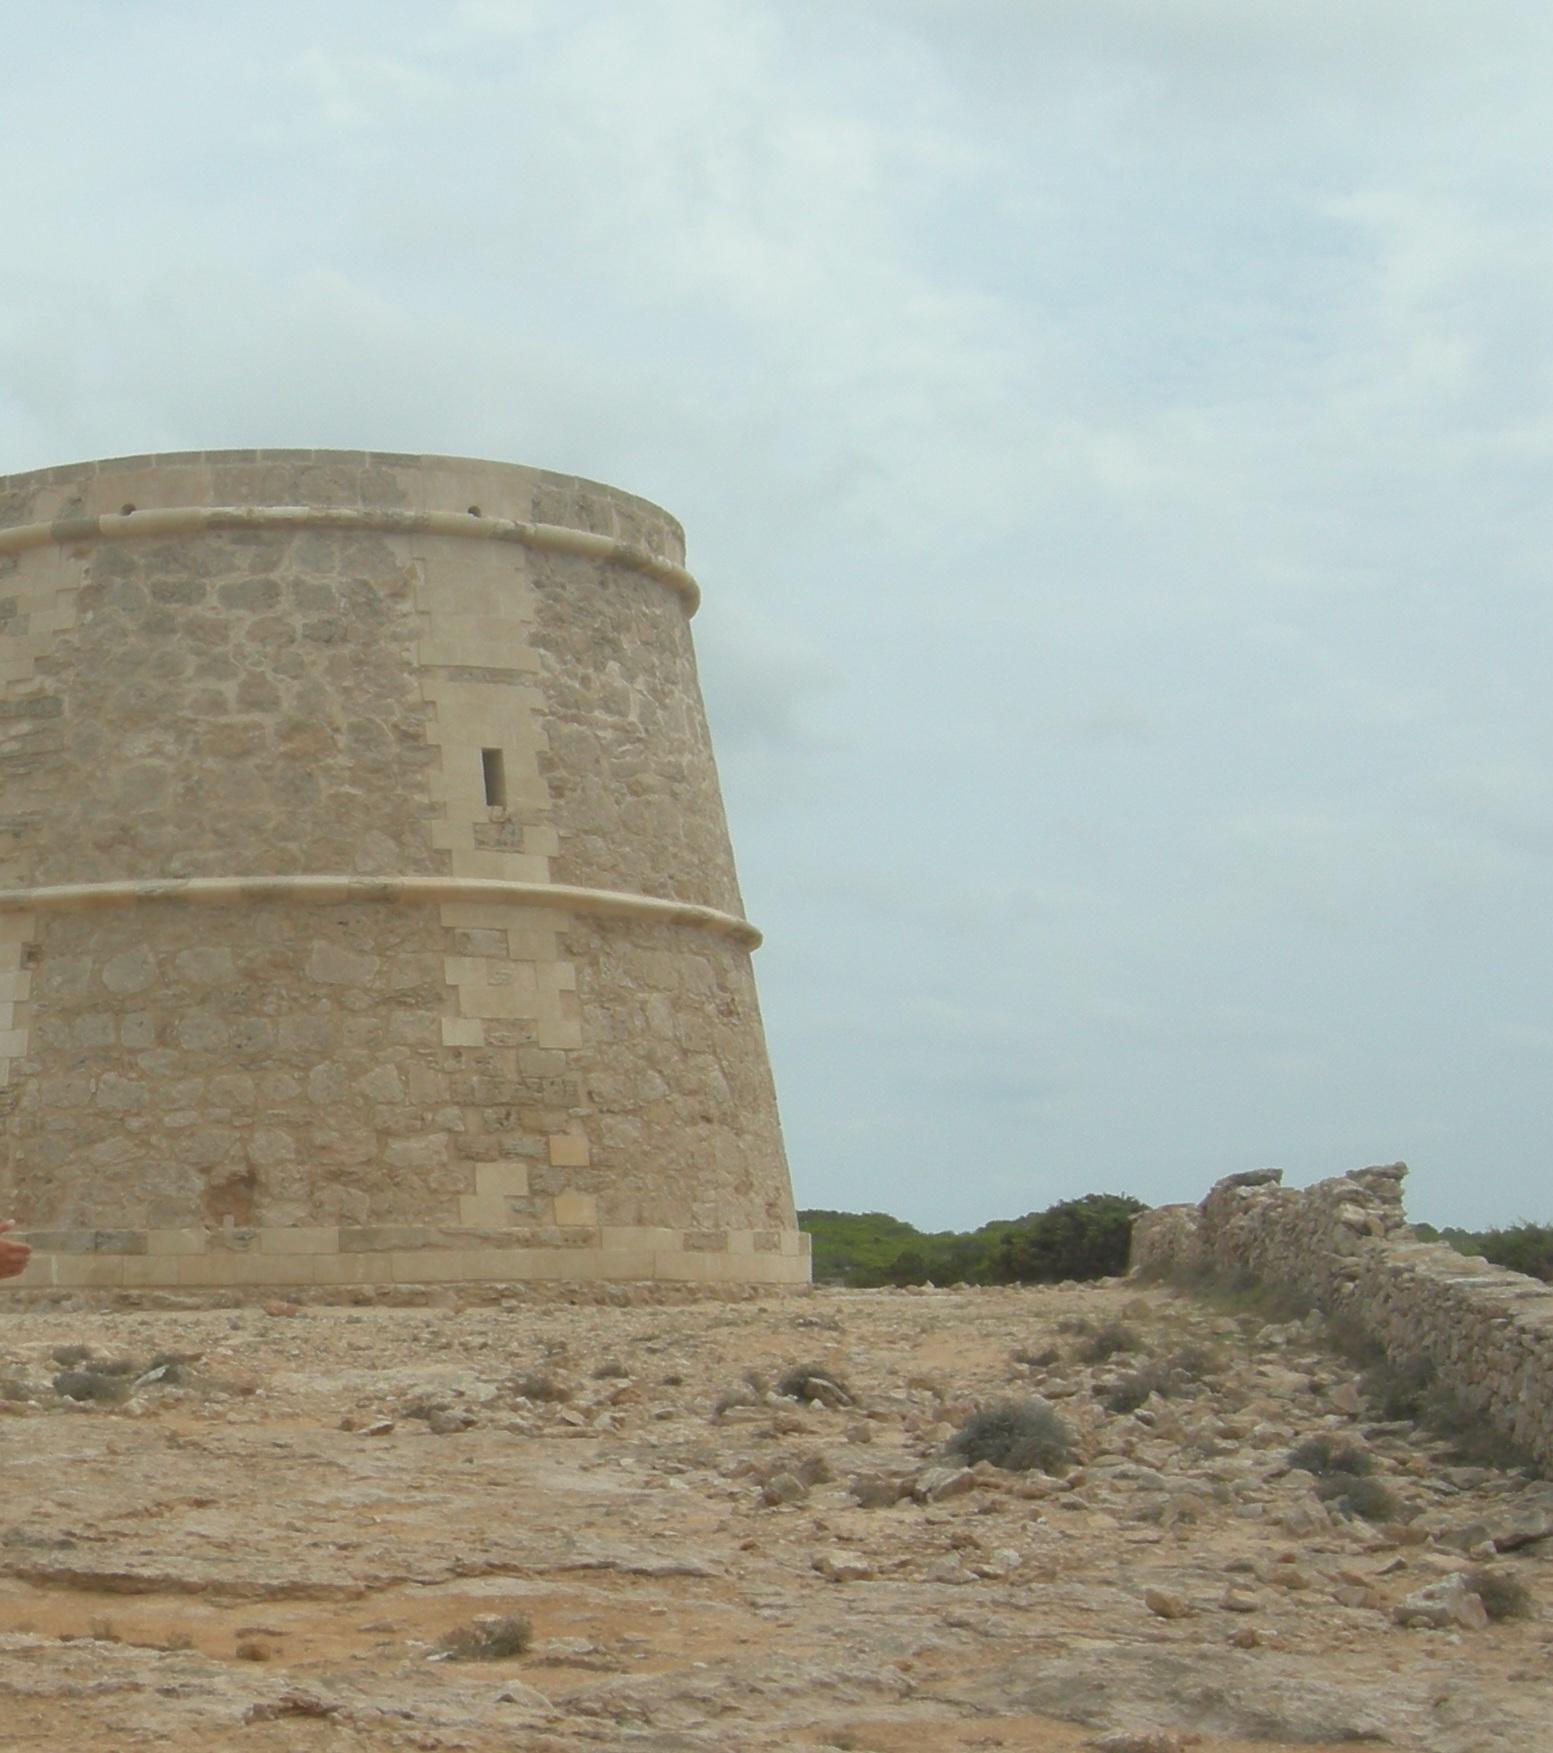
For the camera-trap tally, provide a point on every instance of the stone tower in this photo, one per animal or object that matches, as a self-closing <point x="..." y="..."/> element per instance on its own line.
<point x="367" y="911"/>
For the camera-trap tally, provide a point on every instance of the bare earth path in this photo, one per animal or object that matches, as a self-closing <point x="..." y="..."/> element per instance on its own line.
<point x="263" y="1547"/>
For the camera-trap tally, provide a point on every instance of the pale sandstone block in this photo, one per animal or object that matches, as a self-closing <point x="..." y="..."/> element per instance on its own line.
<point x="458" y="1031"/>
<point x="501" y="1178"/>
<point x="247" y="1270"/>
<point x="89" y="1271"/>
<point x="773" y="1269"/>
<point x="15" y="984"/>
<point x="453" y="836"/>
<point x="678" y="1267"/>
<point x="516" y="1000"/>
<point x="569" y="1150"/>
<point x="459" y="782"/>
<point x="353" y="1269"/>
<point x="484" y="1211"/>
<point x="582" y="1264"/>
<point x="575" y="1208"/>
<point x="473" y="916"/>
<point x="498" y="1265"/>
<point x="427" y="1266"/>
<point x="187" y="1241"/>
<point x="149" y="1271"/>
<point x="511" y="867"/>
<point x="541" y="840"/>
<point x="626" y="1265"/>
<point x="635" y="1238"/>
<point x="38" y="1273"/>
<point x="488" y="971"/>
<point x="303" y="1239"/>
<point x="537" y="938"/>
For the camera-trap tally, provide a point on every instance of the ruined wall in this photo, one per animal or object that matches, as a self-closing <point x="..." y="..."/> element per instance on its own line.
<point x="1347" y="1245"/>
<point x="287" y="995"/>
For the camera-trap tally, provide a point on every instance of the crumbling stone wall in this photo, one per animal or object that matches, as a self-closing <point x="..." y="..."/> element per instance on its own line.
<point x="1346" y="1244"/>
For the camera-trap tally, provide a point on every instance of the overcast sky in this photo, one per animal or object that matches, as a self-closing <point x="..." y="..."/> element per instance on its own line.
<point x="1114" y="439"/>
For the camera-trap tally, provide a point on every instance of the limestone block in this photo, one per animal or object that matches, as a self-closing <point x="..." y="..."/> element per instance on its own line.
<point x="569" y="1150"/>
<point x="300" y="1239"/>
<point x="575" y="1208"/>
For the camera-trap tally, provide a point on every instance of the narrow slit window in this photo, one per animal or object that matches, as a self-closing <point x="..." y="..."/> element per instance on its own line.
<point x="494" y="772"/>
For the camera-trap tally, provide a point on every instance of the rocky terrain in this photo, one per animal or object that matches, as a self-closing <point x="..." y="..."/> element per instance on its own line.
<point x="277" y="1527"/>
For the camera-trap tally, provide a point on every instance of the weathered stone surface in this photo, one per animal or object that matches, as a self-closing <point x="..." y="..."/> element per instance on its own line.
<point x="308" y="693"/>
<point x="222" y="1506"/>
<point x="1482" y="1334"/>
<point x="1451" y="1601"/>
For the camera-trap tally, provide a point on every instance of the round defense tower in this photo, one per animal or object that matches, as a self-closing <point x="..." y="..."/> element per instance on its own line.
<point x="367" y="910"/>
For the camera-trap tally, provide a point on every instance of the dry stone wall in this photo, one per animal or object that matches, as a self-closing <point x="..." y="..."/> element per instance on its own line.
<point x="367" y="910"/>
<point x="1346" y="1244"/>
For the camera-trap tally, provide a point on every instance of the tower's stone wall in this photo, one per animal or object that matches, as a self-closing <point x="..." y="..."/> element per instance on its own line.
<point x="285" y="996"/>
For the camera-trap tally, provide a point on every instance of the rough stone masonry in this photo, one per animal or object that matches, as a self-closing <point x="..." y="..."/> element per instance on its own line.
<point x="1347" y="1245"/>
<point x="367" y="909"/>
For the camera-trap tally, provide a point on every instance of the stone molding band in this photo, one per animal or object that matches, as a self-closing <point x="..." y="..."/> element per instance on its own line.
<point x="336" y="890"/>
<point x="183" y="520"/>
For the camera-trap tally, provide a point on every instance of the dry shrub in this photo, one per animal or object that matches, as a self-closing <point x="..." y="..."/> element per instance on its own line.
<point x="1163" y="1376"/>
<point x="1324" y="1455"/>
<point x="814" y="1384"/>
<point x="1115" y="1336"/>
<point x="490" y="1637"/>
<point x="534" y="1386"/>
<point x="1017" y="1435"/>
<point x="1503" y="1596"/>
<point x="1038" y="1360"/>
<point x="1358" y="1495"/>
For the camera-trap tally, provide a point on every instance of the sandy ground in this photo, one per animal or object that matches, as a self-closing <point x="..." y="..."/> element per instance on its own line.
<point x="266" y="1547"/>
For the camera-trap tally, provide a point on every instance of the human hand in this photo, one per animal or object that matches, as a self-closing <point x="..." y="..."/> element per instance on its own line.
<point x="13" y="1255"/>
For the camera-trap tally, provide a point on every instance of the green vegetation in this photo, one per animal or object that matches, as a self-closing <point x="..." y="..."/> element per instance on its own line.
<point x="1076" y="1238"/>
<point x="1524" y="1247"/>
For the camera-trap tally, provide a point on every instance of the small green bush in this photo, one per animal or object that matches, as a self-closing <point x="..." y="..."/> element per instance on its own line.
<point x="1019" y="1436"/>
<point x="492" y="1637"/>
